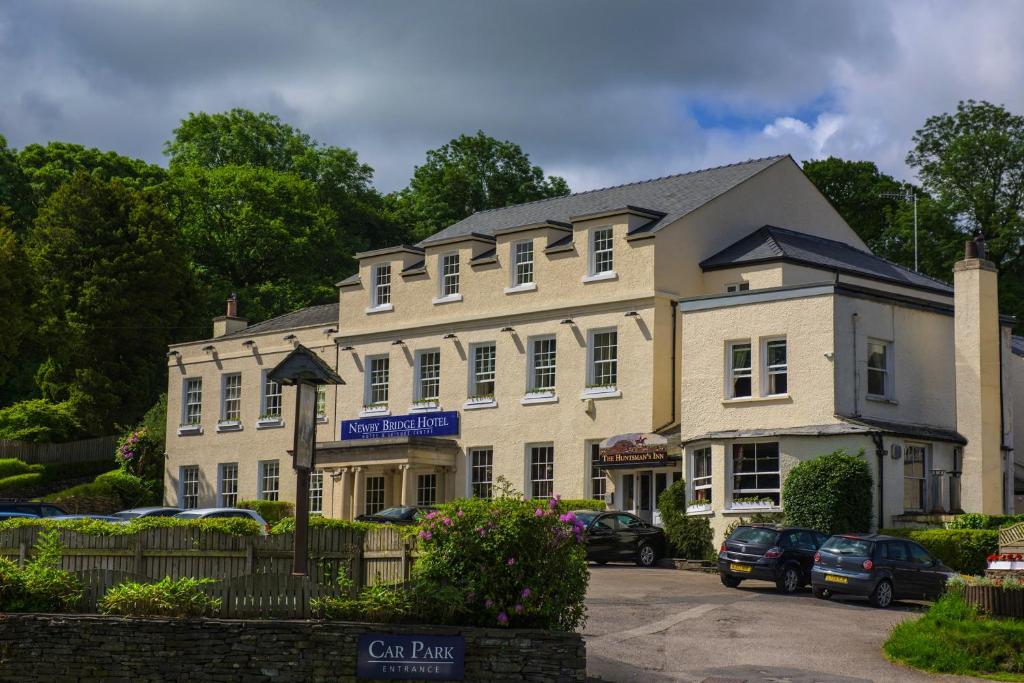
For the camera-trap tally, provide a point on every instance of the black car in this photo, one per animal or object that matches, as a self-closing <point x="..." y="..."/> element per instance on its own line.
<point x="880" y="568"/>
<point x="403" y="514"/>
<point x="619" y="536"/>
<point x="764" y="552"/>
<point x="28" y="507"/>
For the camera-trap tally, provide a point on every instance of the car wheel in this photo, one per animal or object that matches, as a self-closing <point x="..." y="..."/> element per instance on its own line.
<point x="822" y="593"/>
<point x="645" y="555"/>
<point x="882" y="595"/>
<point x="789" y="580"/>
<point x="730" y="581"/>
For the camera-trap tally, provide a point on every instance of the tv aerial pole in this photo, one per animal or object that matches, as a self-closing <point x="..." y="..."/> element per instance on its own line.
<point x="908" y="195"/>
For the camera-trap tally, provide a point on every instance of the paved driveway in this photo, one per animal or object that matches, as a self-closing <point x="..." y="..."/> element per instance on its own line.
<point x="666" y="625"/>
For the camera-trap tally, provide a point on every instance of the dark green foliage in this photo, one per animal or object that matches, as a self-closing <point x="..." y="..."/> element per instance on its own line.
<point x="831" y="494"/>
<point x="689" y="536"/>
<point x="15" y="294"/>
<point x="964" y="550"/>
<point x="110" y="492"/>
<point x="469" y="174"/>
<point x="286" y="525"/>
<point x="12" y="466"/>
<point x="19" y="480"/>
<point x="570" y="504"/>
<point x="273" y="511"/>
<point x="168" y="597"/>
<point x="975" y="520"/>
<point x="40" y="421"/>
<point x="155" y="423"/>
<point x="953" y="638"/>
<point x="93" y="527"/>
<point x="21" y="485"/>
<point x="41" y="586"/>
<point x="15" y="192"/>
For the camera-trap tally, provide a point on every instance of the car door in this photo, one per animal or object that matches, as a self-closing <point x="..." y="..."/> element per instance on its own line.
<point x="807" y="544"/>
<point x="601" y="541"/>
<point x="627" y="531"/>
<point x="895" y="556"/>
<point x="929" y="582"/>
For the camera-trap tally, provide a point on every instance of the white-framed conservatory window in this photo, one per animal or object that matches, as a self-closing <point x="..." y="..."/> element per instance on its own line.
<point x="481" y="462"/>
<point x="601" y="251"/>
<point x="879" y="355"/>
<point x="700" y="475"/>
<point x="380" y="294"/>
<point x="428" y="375"/>
<point x="542" y="471"/>
<point x="316" y="492"/>
<point x="270" y="480"/>
<point x="378" y="369"/>
<point x="193" y="403"/>
<point x="189" y="487"/>
<point x="228" y="490"/>
<point x="604" y="358"/>
<point x="449" y="275"/>
<point x="271" y="407"/>
<point x="755" y="471"/>
<point x="482" y="370"/>
<point x="740" y="375"/>
<point x="542" y="359"/>
<point x="231" y="405"/>
<point x="522" y="263"/>
<point x="776" y="367"/>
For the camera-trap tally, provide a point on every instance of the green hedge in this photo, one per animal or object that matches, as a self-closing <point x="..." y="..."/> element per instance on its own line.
<point x="287" y="525"/>
<point x="94" y="527"/>
<point x="109" y="493"/>
<point x="10" y="467"/>
<point x="976" y="520"/>
<point x="273" y="511"/>
<point x="14" y="486"/>
<point x="964" y="550"/>
<point x="689" y="536"/>
<point x="831" y="493"/>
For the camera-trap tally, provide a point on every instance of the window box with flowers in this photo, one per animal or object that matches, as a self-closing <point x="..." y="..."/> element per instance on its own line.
<point x="229" y="425"/>
<point x="753" y="504"/>
<point x="599" y="391"/>
<point x="480" y="401"/>
<point x="374" y="409"/>
<point x="269" y="421"/>
<point x="694" y="507"/>
<point x="189" y="428"/>
<point x="425" y="405"/>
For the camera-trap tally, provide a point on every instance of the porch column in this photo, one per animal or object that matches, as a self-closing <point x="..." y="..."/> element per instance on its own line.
<point x="407" y="485"/>
<point x="451" y="484"/>
<point x="358" y="491"/>
<point x="341" y="506"/>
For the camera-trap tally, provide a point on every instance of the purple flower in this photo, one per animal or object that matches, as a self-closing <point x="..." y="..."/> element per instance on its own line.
<point x="552" y="503"/>
<point x="525" y="593"/>
<point x="431" y="515"/>
<point x="488" y="603"/>
<point x="459" y="513"/>
<point x="538" y="512"/>
<point x="511" y="561"/>
<point x="426" y="535"/>
<point x="502" y="618"/>
<point x="447" y="521"/>
<point x="519" y="608"/>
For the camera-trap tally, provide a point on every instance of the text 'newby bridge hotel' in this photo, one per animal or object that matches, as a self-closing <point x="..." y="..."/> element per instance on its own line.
<point x="730" y="311"/>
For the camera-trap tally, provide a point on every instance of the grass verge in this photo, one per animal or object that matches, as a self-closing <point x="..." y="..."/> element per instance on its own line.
<point x="953" y="638"/>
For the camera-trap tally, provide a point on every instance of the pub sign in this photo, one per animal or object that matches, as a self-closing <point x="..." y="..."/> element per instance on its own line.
<point x="633" y="450"/>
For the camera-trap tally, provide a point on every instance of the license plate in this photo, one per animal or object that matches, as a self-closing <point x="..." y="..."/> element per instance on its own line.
<point x="739" y="568"/>
<point x="832" y="578"/>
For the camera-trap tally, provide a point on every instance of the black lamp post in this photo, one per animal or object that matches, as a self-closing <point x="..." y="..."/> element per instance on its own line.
<point x="304" y="370"/>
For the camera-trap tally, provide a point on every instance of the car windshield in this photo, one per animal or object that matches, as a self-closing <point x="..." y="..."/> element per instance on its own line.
<point x="127" y="515"/>
<point x="586" y="517"/>
<point x="754" y="535"/>
<point x="393" y="513"/>
<point x="843" y="545"/>
<point x="189" y="515"/>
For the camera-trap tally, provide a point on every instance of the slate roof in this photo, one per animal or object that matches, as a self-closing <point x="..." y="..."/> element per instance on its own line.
<point x="675" y="196"/>
<point x="326" y="315"/>
<point x="916" y="431"/>
<point x="848" y="425"/>
<point x="771" y="243"/>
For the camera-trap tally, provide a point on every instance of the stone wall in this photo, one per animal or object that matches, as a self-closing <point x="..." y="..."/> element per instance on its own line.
<point x="77" y="648"/>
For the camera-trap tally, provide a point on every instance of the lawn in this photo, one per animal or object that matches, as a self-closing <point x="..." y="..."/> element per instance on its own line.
<point x="953" y="638"/>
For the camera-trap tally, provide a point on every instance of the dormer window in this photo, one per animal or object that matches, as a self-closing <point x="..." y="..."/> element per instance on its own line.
<point x="381" y="293"/>
<point x="449" y="275"/>
<point x="601" y="257"/>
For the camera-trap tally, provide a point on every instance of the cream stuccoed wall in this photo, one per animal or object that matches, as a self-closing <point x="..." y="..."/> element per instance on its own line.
<point x="251" y="444"/>
<point x="568" y="423"/>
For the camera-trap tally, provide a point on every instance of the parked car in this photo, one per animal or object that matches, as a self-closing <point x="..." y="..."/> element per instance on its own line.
<point x="100" y="518"/>
<point x="136" y="513"/>
<point x="402" y="514"/>
<point x="14" y="515"/>
<point x="765" y="552"/>
<point x="226" y="513"/>
<point x="880" y="568"/>
<point x="615" y="536"/>
<point x="33" y="508"/>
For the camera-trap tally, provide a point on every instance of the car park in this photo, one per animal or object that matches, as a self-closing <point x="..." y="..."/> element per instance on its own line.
<point x="765" y="552"/>
<point x="33" y="508"/>
<point x="16" y="515"/>
<point x="136" y="513"/>
<point x="226" y="513"/>
<point x="99" y="518"/>
<point x="616" y="536"/>
<point x="402" y="514"/>
<point x="878" y="567"/>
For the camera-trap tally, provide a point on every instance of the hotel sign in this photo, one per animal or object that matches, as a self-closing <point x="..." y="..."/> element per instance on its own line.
<point x="390" y="427"/>
<point x="395" y="657"/>
<point x="634" y="450"/>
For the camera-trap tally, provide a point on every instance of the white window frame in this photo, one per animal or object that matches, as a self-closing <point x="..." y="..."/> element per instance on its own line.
<point x="605" y="235"/>
<point x="270" y="416"/>
<point x="886" y="371"/>
<point x="741" y="286"/>
<point x="189" y="486"/>
<point x="474" y="395"/>
<point x="768" y="371"/>
<point x="479" y="484"/>
<point x="531" y="389"/>
<point x="595" y="388"/>
<point x="544" y="486"/>
<point x="757" y="491"/>
<point x="597" y="477"/>
<point x="701" y="487"/>
<point x="321" y="403"/>
<point x="230" y="417"/>
<point x="522" y="264"/>
<point x="369" y="405"/>
<point x="380" y="290"/>
<point x="227" y="498"/>
<point x="269" y="473"/>
<point x="377" y="491"/>
<point x="449" y="280"/>
<point x="316" y="492"/>
<point x="923" y="479"/>
<point x="426" y="489"/>
<point x="427" y="377"/>
<point x="734" y="373"/>
<point x="192" y="398"/>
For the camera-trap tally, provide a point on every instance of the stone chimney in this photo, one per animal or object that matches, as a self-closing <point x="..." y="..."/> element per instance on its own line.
<point x="978" y="405"/>
<point x="229" y="322"/>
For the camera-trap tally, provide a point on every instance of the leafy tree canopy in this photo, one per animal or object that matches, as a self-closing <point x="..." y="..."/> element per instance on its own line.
<point x="469" y="174"/>
<point x="15" y="297"/>
<point x="113" y="289"/>
<point x="15" y="192"/>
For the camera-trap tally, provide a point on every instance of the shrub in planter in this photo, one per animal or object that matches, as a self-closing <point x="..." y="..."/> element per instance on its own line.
<point x="511" y="562"/>
<point x="831" y="493"/>
<point x="273" y="511"/>
<point x="690" y="537"/>
<point x="168" y="597"/>
<point x="965" y="550"/>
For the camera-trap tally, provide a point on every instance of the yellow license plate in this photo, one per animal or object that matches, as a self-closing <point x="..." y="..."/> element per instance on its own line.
<point x="832" y="578"/>
<point x="739" y="568"/>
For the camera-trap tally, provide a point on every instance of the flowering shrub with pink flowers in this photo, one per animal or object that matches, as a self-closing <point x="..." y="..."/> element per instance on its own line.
<point x="515" y="563"/>
<point x="138" y="453"/>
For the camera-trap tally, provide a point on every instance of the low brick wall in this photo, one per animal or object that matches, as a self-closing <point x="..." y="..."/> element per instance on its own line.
<point x="74" y="648"/>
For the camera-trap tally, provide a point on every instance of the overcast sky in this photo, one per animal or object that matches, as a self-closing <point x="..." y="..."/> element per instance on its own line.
<point x="598" y="92"/>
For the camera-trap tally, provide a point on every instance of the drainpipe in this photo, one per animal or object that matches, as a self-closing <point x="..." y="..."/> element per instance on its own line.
<point x="880" y="452"/>
<point x="1005" y="450"/>
<point x="672" y="421"/>
<point x="856" y="375"/>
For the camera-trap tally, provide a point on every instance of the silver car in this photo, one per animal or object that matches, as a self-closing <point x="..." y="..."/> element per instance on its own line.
<point x="137" y="513"/>
<point x="226" y="513"/>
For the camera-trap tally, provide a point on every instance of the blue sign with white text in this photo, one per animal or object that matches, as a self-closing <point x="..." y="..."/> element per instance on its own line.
<point x="393" y="657"/>
<point x="423" y="424"/>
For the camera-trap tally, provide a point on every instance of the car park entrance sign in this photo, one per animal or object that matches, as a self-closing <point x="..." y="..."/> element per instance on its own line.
<point x="423" y="424"/>
<point x="397" y="657"/>
<point x="633" y="450"/>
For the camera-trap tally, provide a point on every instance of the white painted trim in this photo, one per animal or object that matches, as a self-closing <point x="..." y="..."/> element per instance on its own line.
<point x="479" y="404"/>
<point x="383" y="411"/>
<point x="450" y="299"/>
<point x="519" y="289"/>
<point x="600" y="277"/>
<point x="269" y="423"/>
<point x="598" y="393"/>
<point x="383" y="308"/>
<point x="190" y="430"/>
<point x="539" y="397"/>
<point x="229" y="426"/>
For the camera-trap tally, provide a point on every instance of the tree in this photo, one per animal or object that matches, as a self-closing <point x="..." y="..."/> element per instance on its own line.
<point x="469" y="174"/>
<point x="15" y="298"/>
<point x="973" y="161"/>
<point x="832" y="493"/>
<point x="15" y="192"/>
<point x="689" y="536"/>
<point x="113" y="289"/>
<point x="268" y="212"/>
<point x="863" y="196"/>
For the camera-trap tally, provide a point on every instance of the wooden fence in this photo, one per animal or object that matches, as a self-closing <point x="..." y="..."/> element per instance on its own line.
<point x="85" y="450"/>
<point x="252" y="572"/>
